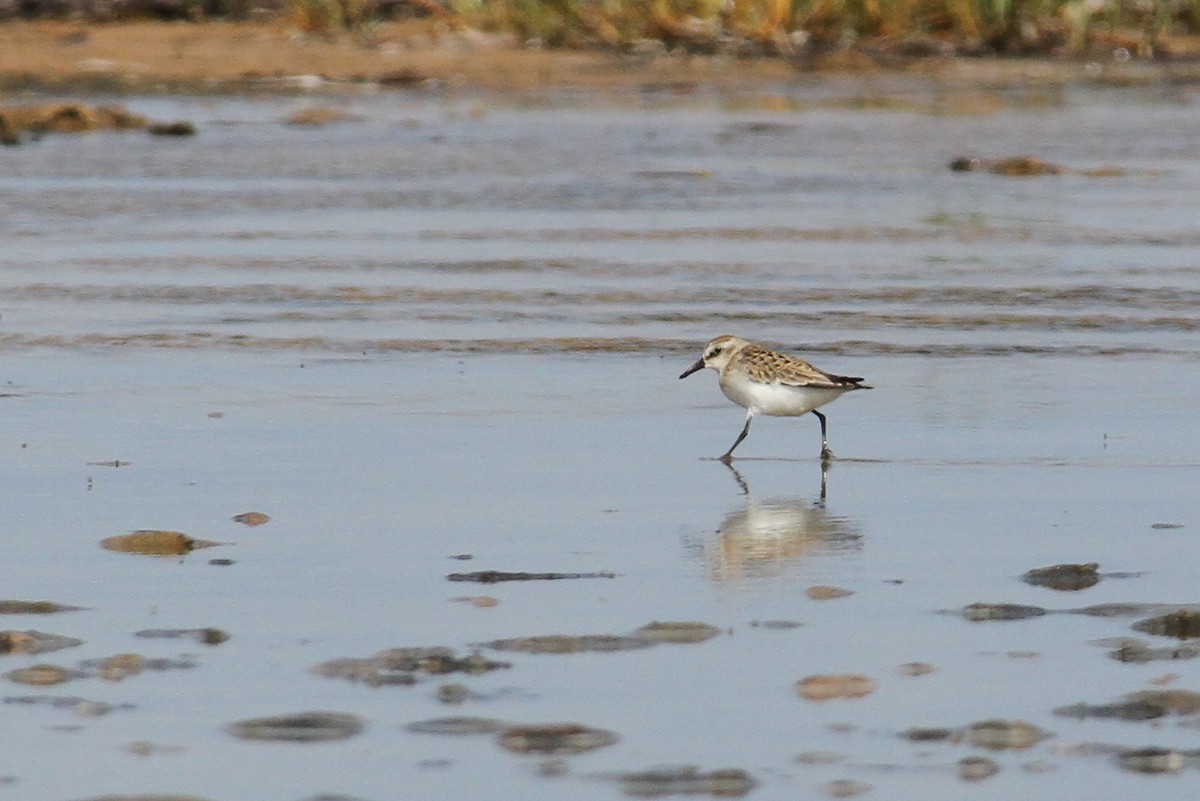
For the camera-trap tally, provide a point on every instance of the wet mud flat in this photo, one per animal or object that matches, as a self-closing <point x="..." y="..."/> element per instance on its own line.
<point x="353" y="456"/>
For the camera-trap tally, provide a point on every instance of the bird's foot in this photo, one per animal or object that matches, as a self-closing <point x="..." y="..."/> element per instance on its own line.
<point x="726" y="459"/>
<point x="826" y="455"/>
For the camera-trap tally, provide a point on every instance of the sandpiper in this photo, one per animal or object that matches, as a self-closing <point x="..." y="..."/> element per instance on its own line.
<point x="765" y="382"/>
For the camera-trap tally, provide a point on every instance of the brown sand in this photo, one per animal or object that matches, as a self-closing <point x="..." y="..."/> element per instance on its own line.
<point x="275" y="56"/>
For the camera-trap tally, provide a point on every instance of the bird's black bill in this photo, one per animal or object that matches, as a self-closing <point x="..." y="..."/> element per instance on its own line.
<point x="699" y="365"/>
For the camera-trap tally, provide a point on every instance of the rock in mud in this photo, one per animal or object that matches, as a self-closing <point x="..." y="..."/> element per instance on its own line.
<point x="920" y="734"/>
<point x="1128" y="710"/>
<point x="1013" y="167"/>
<point x="42" y="675"/>
<point x="975" y="769"/>
<point x="176" y="128"/>
<point x="82" y="707"/>
<point x="826" y="687"/>
<point x="453" y="693"/>
<point x="457" y="726"/>
<point x="204" y="636"/>
<point x="570" y="644"/>
<point x="121" y="666"/>
<point x="679" y="633"/>
<point x="1180" y="702"/>
<point x="1151" y="760"/>
<point x="914" y="669"/>
<point x="1065" y="577"/>
<point x="314" y="116"/>
<point x="1136" y="651"/>
<point x="154" y="542"/>
<point x="824" y="592"/>
<point x="846" y="788"/>
<point x="302" y="727"/>
<point x="404" y="666"/>
<point x="977" y="612"/>
<point x="686" y="780"/>
<point x="1183" y="625"/>
<point x="34" y="642"/>
<point x="1002" y="734"/>
<point x="555" y="739"/>
<point x="11" y="607"/>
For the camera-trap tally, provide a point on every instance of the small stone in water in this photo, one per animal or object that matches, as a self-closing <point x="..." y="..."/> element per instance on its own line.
<point x="302" y="727"/>
<point x="824" y="592"/>
<point x="974" y="769"/>
<point x="555" y="738"/>
<point x="825" y="687"/>
<point x="1151" y="760"/>
<point x="1000" y="734"/>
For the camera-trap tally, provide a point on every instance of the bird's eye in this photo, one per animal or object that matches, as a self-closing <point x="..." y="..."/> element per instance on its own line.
<point x="715" y="351"/>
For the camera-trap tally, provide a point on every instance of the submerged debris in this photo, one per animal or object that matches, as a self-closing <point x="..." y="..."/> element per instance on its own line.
<point x="919" y="734"/>
<point x="1013" y="167"/>
<point x="11" y="607"/>
<point x="302" y="727"/>
<point x="494" y="576"/>
<point x="457" y="726"/>
<point x="651" y="634"/>
<point x="206" y="636"/>
<point x="1065" y="577"/>
<point x="570" y="644"/>
<point x="1136" y="651"/>
<point x="824" y="592"/>
<point x="976" y="768"/>
<point x="671" y="632"/>
<point x="1001" y="734"/>
<point x="987" y="611"/>
<point x="42" y="675"/>
<point x="80" y="706"/>
<point x="1183" y="624"/>
<point x="174" y="128"/>
<point x="913" y="669"/>
<point x="1128" y="710"/>
<point x="34" y="642"/>
<point x="38" y="120"/>
<point x="1151" y="760"/>
<point x="121" y="666"/>
<point x="555" y="739"/>
<point x="155" y="543"/>
<point x="846" y="788"/>
<point x="404" y="666"/>
<point x="825" y="687"/>
<point x="686" y="780"/>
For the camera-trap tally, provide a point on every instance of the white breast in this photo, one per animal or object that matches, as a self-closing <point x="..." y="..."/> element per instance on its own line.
<point x="775" y="399"/>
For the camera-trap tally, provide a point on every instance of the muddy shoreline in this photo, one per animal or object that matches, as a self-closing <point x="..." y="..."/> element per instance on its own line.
<point x="56" y="57"/>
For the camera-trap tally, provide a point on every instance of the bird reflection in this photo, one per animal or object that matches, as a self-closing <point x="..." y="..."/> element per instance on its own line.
<point x="768" y="536"/>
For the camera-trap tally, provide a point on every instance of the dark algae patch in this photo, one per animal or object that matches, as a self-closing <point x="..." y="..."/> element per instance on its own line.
<point x="406" y="666"/>
<point x="497" y="576"/>
<point x="11" y="607"/>
<point x="301" y="727"/>
<point x="555" y="739"/>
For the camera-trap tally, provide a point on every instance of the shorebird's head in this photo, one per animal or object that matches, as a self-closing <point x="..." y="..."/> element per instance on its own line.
<point x="717" y="354"/>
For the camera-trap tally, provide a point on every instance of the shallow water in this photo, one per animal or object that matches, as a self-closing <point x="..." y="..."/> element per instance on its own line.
<point x="453" y="325"/>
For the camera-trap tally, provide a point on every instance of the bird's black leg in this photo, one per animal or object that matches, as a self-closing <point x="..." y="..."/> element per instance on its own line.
<point x="727" y="457"/>
<point x="826" y="454"/>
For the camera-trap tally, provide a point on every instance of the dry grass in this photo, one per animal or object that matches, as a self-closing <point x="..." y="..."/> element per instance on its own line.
<point x="784" y="26"/>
